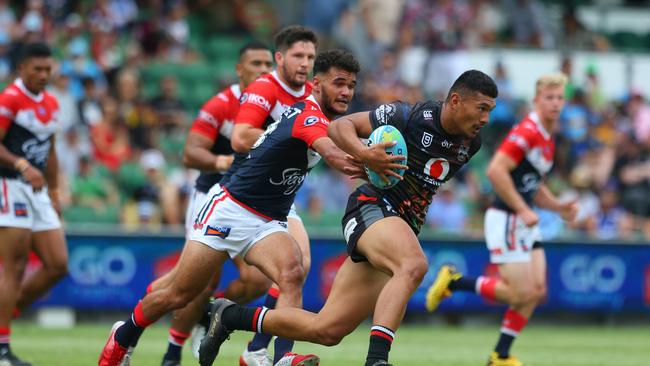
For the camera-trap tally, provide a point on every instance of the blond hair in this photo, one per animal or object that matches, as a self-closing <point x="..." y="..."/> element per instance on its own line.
<point x="550" y="80"/>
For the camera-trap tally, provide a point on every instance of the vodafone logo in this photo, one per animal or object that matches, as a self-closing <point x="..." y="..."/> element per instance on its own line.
<point x="437" y="168"/>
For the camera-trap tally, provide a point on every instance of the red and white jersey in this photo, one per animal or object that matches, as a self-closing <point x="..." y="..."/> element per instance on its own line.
<point x="215" y="121"/>
<point x="29" y="121"/>
<point x="531" y="147"/>
<point x="263" y="103"/>
<point x="264" y="100"/>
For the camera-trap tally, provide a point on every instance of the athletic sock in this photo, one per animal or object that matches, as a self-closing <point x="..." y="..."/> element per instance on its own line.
<point x="463" y="284"/>
<point x="4" y="340"/>
<point x="381" y="339"/>
<point x="132" y="329"/>
<point x="282" y="346"/>
<point x="512" y="324"/>
<point x="238" y="317"/>
<point x="486" y="287"/>
<point x="262" y="340"/>
<point x="176" y="341"/>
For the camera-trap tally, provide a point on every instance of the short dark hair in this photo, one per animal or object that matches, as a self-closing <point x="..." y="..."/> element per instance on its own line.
<point x="253" y="45"/>
<point x="32" y="50"/>
<point x="287" y="36"/>
<point x="474" y="81"/>
<point x="336" y="58"/>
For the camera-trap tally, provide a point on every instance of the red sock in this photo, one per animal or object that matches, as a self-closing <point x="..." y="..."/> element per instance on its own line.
<point x="177" y="338"/>
<point x="513" y="323"/>
<point x="138" y="317"/>
<point x="219" y="294"/>
<point x="486" y="287"/>
<point x="15" y="313"/>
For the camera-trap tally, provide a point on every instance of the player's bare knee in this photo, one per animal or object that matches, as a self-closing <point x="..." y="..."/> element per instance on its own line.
<point x="291" y="277"/>
<point x="329" y="336"/>
<point x="179" y="297"/>
<point x="540" y="293"/>
<point x="414" y="270"/>
<point x="523" y="297"/>
<point x="57" y="270"/>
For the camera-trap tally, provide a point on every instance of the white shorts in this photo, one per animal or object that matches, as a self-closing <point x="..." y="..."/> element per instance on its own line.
<point x="195" y="201"/>
<point x="224" y="224"/>
<point x="21" y="207"/>
<point x="508" y="239"/>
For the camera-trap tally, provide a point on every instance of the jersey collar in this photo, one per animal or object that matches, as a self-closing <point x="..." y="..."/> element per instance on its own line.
<point x="35" y="97"/>
<point x="312" y="99"/>
<point x="286" y="87"/>
<point x="235" y="90"/>
<point x="535" y="118"/>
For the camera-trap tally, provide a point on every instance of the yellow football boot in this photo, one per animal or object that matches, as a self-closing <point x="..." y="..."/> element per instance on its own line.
<point x="440" y="288"/>
<point x="510" y="361"/>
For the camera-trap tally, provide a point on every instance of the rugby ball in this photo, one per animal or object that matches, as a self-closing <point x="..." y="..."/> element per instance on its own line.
<point x="383" y="134"/>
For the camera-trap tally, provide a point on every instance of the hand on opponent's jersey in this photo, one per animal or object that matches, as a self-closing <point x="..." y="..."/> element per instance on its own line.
<point x="376" y="158"/>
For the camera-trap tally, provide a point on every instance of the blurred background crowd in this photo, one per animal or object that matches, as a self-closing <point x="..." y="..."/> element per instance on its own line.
<point x="131" y="75"/>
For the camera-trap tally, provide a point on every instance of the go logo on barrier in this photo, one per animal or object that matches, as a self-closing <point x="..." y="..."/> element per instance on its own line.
<point x="585" y="273"/>
<point x="113" y="266"/>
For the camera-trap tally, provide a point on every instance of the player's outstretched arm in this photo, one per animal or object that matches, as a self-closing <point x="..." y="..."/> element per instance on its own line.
<point x="337" y="158"/>
<point x="197" y="154"/>
<point x="498" y="172"/>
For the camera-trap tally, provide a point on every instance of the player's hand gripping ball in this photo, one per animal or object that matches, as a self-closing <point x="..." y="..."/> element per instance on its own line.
<point x="383" y="134"/>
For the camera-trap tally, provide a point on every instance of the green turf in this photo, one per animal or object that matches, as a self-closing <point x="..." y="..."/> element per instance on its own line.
<point x="414" y="346"/>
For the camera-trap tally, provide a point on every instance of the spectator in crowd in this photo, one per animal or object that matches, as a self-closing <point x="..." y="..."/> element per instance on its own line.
<point x="639" y="112"/>
<point x="80" y="66"/>
<point x="110" y="137"/>
<point x="632" y="171"/>
<point x="447" y="214"/>
<point x="169" y="111"/>
<point x="89" y="106"/>
<point x="611" y="221"/>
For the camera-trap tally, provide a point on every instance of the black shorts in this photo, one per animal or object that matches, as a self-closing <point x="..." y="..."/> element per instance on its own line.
<point x="364" y="208"/>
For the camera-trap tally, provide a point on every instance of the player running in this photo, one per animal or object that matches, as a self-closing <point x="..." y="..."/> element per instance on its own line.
<point x="29" y="118"/>
<point x="262" y="103"/>
<point x="208" y="149"/>
<point x="248" y="215"/>
<point x="512" y="235"/>
<point x="386" y="262"/>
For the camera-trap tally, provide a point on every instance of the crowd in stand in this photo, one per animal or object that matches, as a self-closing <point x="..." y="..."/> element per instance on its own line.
<point x="120" y="151"/>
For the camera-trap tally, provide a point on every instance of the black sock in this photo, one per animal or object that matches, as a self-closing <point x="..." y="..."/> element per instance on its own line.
<point x="282" y="346"/>
<point x="463" y="284"/>
<point x="262" y="340"/>
<point x="173" y="352"/>
<point x="381" y="339"/>
<point x="128" y="333"/>
<point x="503" y="345"/>
<point x="237" y="317"/>
<point x="4" y="348"/>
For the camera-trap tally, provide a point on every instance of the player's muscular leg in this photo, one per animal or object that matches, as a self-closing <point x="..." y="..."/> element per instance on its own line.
<point x="279" y="257"/>
<point x="538" y="259"/>
<point x="250" y="285"/>
<point x="191" y="276"/>
<point x="517" y="288"/>
<point x="352" y="298"/>
<point x="14" y="249"/>
<point x="51" y="248"/>
<point x="299" y="233"/>
<point x="391" y="246"/>
<point x="183" y="320"/>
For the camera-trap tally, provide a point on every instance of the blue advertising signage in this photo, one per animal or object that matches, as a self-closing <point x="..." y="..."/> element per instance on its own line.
<point x="112" y="272"/>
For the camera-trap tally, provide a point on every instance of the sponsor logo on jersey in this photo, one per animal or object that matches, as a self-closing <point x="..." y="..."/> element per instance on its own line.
<point x="40" y="110"/>
<point x="20" y="209"/>
<point x="463" y="153"/>
<point x="291" y="178"/>
<point x="384" y="112"/>
<point x="447" y="144"/>
<point x="219" y="231"/>
<point x="427" y="114"/>
<point x="283" y="224"/>
<point x="437" y="168"/>
<point x="36" y="150"/>
<point x="255" y="99"/>
<point x="427" y="139"/>
<point x="311" y="120"/>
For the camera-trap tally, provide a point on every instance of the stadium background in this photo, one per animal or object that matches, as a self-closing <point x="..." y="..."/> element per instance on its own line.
<point x="131" y="75"/>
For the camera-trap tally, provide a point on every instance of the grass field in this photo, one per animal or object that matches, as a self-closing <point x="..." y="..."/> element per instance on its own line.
<point x="539" y="345"/>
